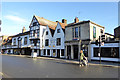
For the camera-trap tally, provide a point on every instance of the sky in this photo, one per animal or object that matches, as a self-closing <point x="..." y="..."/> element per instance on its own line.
<point x="15" y="15"/>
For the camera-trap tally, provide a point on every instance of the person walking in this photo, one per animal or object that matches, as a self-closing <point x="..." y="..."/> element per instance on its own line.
<point x="81" y="58"/>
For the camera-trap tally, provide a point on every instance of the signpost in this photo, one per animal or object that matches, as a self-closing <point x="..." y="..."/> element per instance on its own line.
<point x="100" y="49"/>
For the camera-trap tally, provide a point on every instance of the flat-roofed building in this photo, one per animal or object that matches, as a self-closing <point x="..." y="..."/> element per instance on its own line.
<point x="117" y="33"/>
<point x="109" y="37"/>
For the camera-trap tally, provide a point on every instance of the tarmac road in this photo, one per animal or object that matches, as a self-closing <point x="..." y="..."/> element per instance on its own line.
<point x="22" y="67"/>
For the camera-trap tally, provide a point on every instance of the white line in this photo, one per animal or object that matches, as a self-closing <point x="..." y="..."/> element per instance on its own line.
<point x="1" y="73"/>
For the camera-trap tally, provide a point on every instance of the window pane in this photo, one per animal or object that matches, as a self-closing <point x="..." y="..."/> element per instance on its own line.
<point x="46" y="32"/>
<point x="111" y="52"/>
<point x="48" y="52"/>
<point x="62" y="52"/>
<point x="79" y="31"/>
<point x="14" y="42"/>
<point x="58" y="30"/>
<point x="58" y="41"/>
<point x="73" y="32"/>
<point x="25" y="40"/>
<point x="46" y="42"/>
<point x="76" y="32"/>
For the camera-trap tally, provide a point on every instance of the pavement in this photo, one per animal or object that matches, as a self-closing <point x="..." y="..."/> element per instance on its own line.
<point x="96" y="63"/>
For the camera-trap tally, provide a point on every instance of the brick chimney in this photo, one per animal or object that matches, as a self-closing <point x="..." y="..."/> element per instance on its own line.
<point x="23" y="30"/>
<point x="76" y="20"/>
<point x="64" y="21"/>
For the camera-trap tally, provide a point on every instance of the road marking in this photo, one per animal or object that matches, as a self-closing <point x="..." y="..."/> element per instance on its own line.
<point x="1" y="73"/>
<point x="6" y="76"/>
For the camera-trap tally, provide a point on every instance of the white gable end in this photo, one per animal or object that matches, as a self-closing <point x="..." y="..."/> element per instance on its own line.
<point x="59" y="35"/>
<point x="47" y="35"/>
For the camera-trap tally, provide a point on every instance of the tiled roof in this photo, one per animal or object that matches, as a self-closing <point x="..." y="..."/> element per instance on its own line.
<point x="51" y="24"/>
<point x="63" y="25"/>
<point x="22" y="34"/>
<point x="45" y="22"/>
<point x="8" y="40"/>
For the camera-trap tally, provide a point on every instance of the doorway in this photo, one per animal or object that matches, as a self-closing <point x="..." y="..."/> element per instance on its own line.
<point x="39" y="52"/>
<point x="68" y="52"/>
<point x="58" y="53"/>
<point x="75" y="48"/>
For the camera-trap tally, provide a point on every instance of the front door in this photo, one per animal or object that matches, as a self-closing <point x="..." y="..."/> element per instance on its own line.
<point x="75" y="51"/>
<point x="58" y="53"/>
<point x="39" y="52"/>
<point x="68" y="52"/>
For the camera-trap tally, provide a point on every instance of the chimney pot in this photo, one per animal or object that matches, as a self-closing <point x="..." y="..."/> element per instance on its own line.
<point x="23" y="30"/>
<point x="76" y="20"/>
<point x="64" y="21"/>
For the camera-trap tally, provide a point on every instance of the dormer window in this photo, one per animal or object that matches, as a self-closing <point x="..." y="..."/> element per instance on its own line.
<point x="58" y="30"/>
<point x="46" y="32"/>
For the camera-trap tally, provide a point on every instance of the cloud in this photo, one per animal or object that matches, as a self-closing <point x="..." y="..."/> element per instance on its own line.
<point x="15" y="18"/>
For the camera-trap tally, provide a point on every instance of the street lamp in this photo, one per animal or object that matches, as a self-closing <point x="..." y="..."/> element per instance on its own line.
<point x="35" y="40"/>
<point x="19" y="44"/>
<point x="80" y="41"/>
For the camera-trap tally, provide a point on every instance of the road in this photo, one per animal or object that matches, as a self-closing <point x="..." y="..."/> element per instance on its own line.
<point x="21" y="67"/>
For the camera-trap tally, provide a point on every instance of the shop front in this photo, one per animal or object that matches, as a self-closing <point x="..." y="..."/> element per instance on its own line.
<point x="109" y="52"/>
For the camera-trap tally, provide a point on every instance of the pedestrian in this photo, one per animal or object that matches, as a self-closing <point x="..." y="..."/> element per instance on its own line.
<point x="81" y="58"/>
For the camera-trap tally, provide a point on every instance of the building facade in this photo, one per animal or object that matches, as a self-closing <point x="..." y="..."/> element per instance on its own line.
<point x="47" y="37"/>
<point x="117" y="33"/>
<point x="3" y="39"/>
<point x="109" y="52"/>
<point x="78" y="35"/>
<point x="17" y="44"/>
<point x="109" y="37"/>
<point x="6" y="45"/>
<point x="21" y="43"/>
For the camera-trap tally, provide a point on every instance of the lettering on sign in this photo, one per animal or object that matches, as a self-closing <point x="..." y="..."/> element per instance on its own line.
<point x="111" y="44"/>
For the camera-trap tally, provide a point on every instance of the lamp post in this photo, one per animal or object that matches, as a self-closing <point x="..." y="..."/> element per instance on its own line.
<point x="80" y="41"/>
<point x="35" y="40"/>
<point x="19" y="44"/>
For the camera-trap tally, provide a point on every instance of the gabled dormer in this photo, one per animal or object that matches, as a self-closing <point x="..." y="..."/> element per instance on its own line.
<point x="47" y="37"/>
<point x="34" y="22"/>
<point x="59" y="29"/>
<point x="34" y="28"/>
<point x="59" y="35"/>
